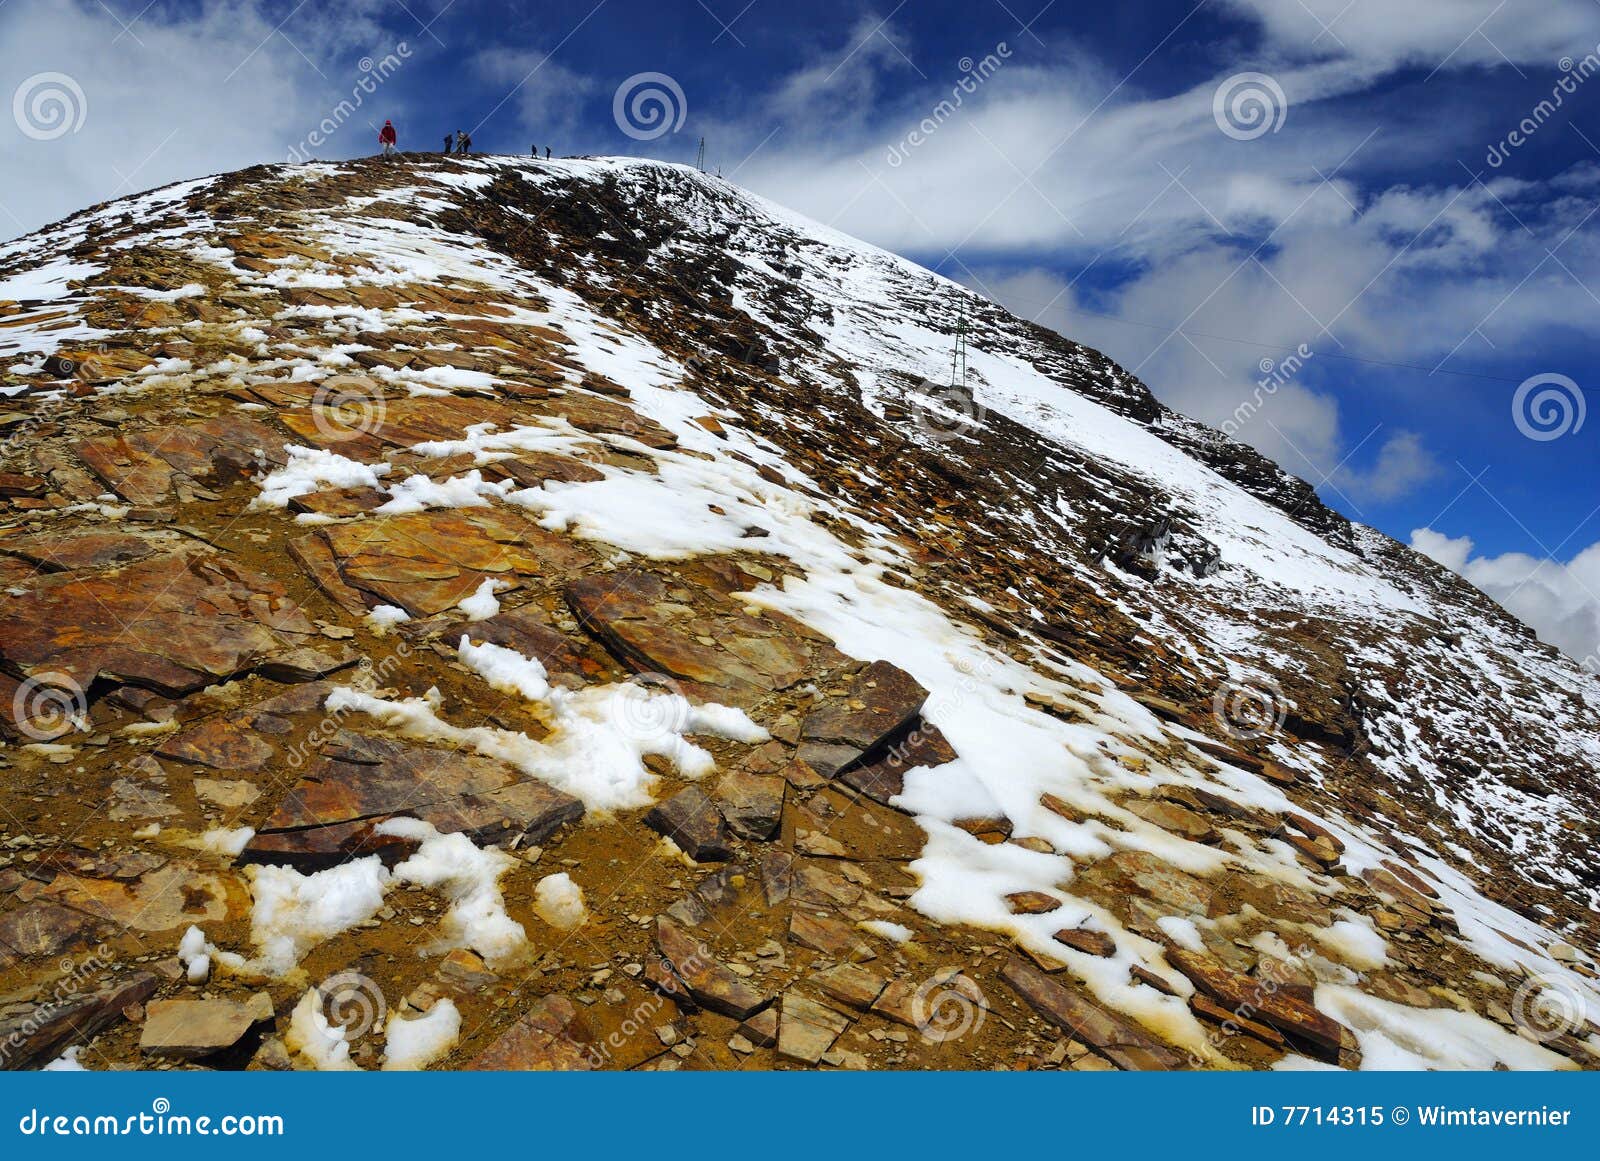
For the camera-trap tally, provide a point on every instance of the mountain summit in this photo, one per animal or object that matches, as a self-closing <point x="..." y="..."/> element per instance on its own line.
<point x="493" y="613"/>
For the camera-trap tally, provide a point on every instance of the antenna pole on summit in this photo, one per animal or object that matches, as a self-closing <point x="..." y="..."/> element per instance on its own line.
<point x="700" y="161"/>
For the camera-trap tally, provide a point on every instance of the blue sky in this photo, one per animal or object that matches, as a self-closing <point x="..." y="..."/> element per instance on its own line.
<point x="1096" y="176"/>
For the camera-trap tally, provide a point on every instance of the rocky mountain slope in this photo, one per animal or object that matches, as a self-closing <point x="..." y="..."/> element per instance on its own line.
<point x="482" y="613"/>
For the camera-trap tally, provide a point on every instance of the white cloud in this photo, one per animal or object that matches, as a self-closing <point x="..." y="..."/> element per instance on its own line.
<point x="1427" y="32"/>
<point x="174" y="96"/>
<point x="549" y="97"/>
<point x="1560" y="602"/>
<point x="1402" y="463"/>
<point x="1239" y="239"/>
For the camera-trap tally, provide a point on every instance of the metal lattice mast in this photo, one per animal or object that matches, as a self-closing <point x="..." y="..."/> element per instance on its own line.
<point x="700" y="161"/>
<point x="958" y="359"/>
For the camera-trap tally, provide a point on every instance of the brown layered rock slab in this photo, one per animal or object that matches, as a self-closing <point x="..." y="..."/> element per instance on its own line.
<point x="353" y="415"/>
<point x="1270" y="896"/>
<point x="1086" y="940"/>
<point x="1407" y="874"/>
<point x="1318" y="850"/>
<point x="1109" y="1034"/>
<point x="533" y="469"/>
<point x="188" y="1029"/>
<point x="14" y="484"/>
<point x="1126" y="874"/>
<point x="832" y="937"/>
<point x="697" y="636"/>
<point x="551" y="1036"/>
<point x="690" y="819"/>
<point x="172" y="896"/>
<point x="530" y="811"/>
<point x="706" y="978"/>
<point x="1232" y="1022"/>
<point x="1031" y="903"/>
<point x="592" y="413"/>
<point x="762" y="1028"/>
<point x="242" y="740"/>
<point x="172" y="624"/>
<point x="850" y="984"/>
<point x="879" y="700"/>
<point x="822" y="888"/>
<point x="320" y="847"/>
<point x="752" y="803"/>
<point x="339" y="503"/>
<point x="316" y="560"/>
<point x="807" y="1029"/>
<point x="359" y="780"/>
<point x="42" y="929"/>
<point x="143" y="467"/>
<point x="223" y="744"/>
<point x="35" y="1031"/>
<point x="1302" y="1024"/>
<point x="526" y="632"/>
<point x="928" y="1005"/>
<point x="426" y="562"/>
<point x="88" y="549"/>
<point x="1172" y="817"/>
<point x="882" y="778"/>
<point x="365" y="777"/>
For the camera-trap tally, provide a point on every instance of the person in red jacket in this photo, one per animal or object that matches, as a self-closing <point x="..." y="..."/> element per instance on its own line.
<point x="386" y="138"/>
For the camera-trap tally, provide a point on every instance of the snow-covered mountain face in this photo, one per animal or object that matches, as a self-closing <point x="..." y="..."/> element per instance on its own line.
<point x="371" y="521"/>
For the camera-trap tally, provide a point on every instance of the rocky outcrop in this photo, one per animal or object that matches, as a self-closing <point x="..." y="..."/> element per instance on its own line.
<point x="861" y="673"/>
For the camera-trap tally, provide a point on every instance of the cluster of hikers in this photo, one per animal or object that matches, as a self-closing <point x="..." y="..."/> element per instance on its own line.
<point x="459" y="142"/>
